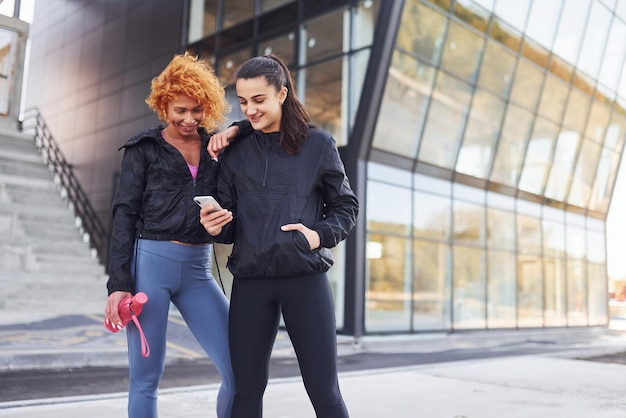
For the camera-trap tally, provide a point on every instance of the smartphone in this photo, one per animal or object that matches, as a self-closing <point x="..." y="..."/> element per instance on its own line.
<point x="203" y="201"/>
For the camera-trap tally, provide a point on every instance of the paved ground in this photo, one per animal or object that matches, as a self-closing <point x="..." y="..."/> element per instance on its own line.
<point x="70" y="366"/>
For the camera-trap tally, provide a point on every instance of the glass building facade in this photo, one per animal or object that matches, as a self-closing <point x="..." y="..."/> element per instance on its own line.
<point x="483" y="137"/>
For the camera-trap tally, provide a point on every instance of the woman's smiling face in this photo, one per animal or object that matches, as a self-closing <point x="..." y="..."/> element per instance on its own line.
<point x="261" y="103"/>
<point x="184" y="114"/>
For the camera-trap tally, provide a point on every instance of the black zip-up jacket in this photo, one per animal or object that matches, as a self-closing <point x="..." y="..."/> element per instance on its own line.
<point x="154" y="200"/>
<point x="266" y="188"/>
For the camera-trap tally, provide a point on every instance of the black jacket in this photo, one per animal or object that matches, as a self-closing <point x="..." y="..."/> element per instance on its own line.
<point x="154" y="200"/>
<point x="266" y="188"/>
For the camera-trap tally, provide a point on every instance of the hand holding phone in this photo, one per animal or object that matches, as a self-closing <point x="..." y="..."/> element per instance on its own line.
<point x="203" y="201"/>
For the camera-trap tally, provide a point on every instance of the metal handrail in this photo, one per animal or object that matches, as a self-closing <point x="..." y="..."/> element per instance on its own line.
<point x="31" y="121"/>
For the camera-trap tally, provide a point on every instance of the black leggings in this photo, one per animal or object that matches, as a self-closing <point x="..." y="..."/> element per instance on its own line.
<point x="307" y="307"/>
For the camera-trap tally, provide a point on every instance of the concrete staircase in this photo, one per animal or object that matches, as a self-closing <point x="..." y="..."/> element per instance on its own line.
<point x="46" y="267"/>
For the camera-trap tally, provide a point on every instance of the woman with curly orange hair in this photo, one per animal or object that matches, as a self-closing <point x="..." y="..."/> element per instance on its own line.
<point x="158" y="246"/>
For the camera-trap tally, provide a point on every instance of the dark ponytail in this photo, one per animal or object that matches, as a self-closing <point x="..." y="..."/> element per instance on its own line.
<point x="295" y="121"/>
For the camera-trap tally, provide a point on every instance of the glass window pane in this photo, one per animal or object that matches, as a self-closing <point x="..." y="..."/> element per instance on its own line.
<point x="496" y="72"/>
<point x="267" y="5"/>
<point x="569" y="34"/>
<point x="432" y="185"/>
<point x="538" y="157"/>
<point x="462" y="51"/>
<point x="616" y="132"/>
<point x="598" y="121"/>
<point x="356" y="78"/>
<point x="283" y="46"/>
<point x="555" y="292"/>
<point x="510" y="155"/>
<point x="501" y="229"/>
<point x="468" y="223"/>
<point x="553" y="238"/>
<point x="388" y="174"/>
<point x="527" y="84"/>
<point x="580" y="191"/>
<point x="481" y="135"/>
<point x="324" y="36"/>
<point x="445" y="122"/>
<point x="505" y="34"/>
<point x="324" y="95"/>
<point x="469" y="294"/>
<point x="474" y="16"/>
<point x="553" y="98"/>
<point x="364" y="17"/>
<point x="431" y="216"/>
<point x="388" y="208"/>
<point x="562" y="165"/>
<point x="501" y="293"/>
<point x="542" y="21"/>
<point x="597" y="291"/>
<point x="595" y="34"/>
<point x="612" y="64"/>
<point x="202" y="19"/>
<point x="422" y="30"/>
<point x="605" y="178"/>
<point x="228" y="64"/>
<point x="388" y="287"/>
<point x="596" y="247"/>
<point x="404" y="106"/>
<point x="513" y="12"/>
<point x="431" y="281"/>
<point x="237" y="11"/>
<point x="577" y="109"/>
<point x="530" y="291"/>
<point x="576" y="293"/>
<point x="528" y="234"/>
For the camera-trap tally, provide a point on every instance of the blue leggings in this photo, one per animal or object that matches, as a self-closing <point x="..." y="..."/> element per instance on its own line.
<point x="306" y="303"/>
<point x="166" y="272"/>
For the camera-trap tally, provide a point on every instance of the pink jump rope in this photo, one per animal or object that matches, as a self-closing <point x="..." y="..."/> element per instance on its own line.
<point x="129" y="309"/>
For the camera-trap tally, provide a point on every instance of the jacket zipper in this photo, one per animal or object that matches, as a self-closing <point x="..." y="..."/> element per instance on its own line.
<point x="267" y="160"/>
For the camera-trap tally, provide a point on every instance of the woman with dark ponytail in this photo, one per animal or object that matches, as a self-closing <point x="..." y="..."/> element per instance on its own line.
<point x="287" y="202"/>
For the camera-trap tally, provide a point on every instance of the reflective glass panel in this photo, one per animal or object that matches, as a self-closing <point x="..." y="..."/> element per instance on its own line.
<point x="597" y="307"/>
<point x="584" y="174"/>
<point x="598" y="121"/>
<point x="476" y="17"/>
<point x="505" y="34"/>
<point x="501" y="229"/>
<point x="513" y="12"/>
<point x="538" y="157"/>
<point x="596" y="247"/>
<point x="388" y="208"/>
<point x="202" y="19"/>
<point x="496" y="72"/>
<point x="228" y="65"/>
<point x="595" y="34"/>
<point x="445" y="122"/>
<point x="324" y="95"/>
<point x="542" y="21"/>
<point x="616" y="132"/>
<point x="324" y="36"/>
<point x="468" y="293"/>
<point x="605" y="178"/>
<point x="501" y="293"/>
<point x="363" y="23"/>
<point x="462" y="51"/>
<point x="612" y="63"/>
<point x="481" y="135"/>
<point x="555" y="291"/>
<point x="511" y="148"/>
<point x="528" y="234"/>
<point x="432" y="185"/>
<point x="562" y="165"/>
<point x="283" y="46"/>
<point x="236" y="11"/>
<point x="569" y="33"/>
<point x="388" y="174"/>
<point x="431" y="282"/>
<point x="404" y="105"/>
<point x="530" y="290"/>
<point x="431" y="216"/>
<point x="388" y="287"/>
<point x="358" y="67"/>
<point x="422" y="31"/>
<point x="267" y="5"/>
<point x="576" y="293"/>
<point x="553" y="98"/>
<point x="468" y="223"/>
<point x="553" y="238"/>
<point x="527" y="84"/>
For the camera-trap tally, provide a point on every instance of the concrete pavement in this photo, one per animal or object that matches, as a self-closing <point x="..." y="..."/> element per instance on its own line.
<point x="512" y="374"/>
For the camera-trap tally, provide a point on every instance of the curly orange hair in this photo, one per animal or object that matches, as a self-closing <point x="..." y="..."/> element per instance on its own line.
<point x="189" y="75"/>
